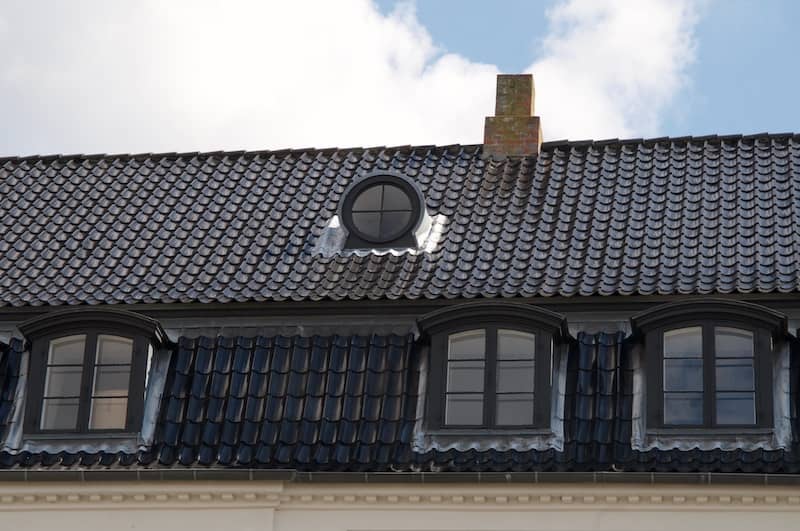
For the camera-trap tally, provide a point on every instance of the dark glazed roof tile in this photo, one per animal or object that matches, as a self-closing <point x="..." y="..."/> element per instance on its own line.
<point x="681" y="216"/>
<point x="350" y="404"/>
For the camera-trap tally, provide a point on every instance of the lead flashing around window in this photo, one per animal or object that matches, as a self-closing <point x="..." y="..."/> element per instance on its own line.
<point x="481" y="440"/>
<point x="426" y="232"/>
<point x="775" y="438"/>
<point x="77" y="318"/>
<point x="427" y="235"/>
<point x="712" y="309"/>
<point x="16" y="441"/>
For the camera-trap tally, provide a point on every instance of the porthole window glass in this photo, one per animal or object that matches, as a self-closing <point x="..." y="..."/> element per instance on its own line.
<point x="381" y="212"/>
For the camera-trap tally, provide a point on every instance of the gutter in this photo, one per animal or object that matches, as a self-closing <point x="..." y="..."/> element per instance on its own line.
<point x="407" y="478"/>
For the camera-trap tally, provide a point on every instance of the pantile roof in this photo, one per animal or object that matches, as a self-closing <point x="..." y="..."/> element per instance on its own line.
<point x="660" y="216"/>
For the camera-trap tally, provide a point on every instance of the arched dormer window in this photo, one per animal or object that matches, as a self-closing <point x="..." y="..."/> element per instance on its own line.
<point x="709" y="364"/>
<point x="87" y="371"/>
<point x="490" y="366"/>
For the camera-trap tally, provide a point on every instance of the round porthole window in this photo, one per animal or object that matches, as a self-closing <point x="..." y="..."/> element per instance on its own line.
<point x="381" y="211"/>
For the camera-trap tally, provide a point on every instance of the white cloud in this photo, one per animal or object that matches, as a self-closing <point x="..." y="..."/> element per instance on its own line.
<point x="610" y="68"/>
<point x="98" y="76"/>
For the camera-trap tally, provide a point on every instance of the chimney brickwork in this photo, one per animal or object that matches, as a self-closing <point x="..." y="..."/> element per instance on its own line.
<point x="513" y="131"/>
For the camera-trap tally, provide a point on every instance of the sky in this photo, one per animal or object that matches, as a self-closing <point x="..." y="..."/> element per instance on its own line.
<point x="92" y="76"/>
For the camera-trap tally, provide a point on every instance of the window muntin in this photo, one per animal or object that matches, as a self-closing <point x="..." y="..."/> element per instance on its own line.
<point x="709" y="374"/>
<point x="382" y="212"/>
<point x="491" y="379"/>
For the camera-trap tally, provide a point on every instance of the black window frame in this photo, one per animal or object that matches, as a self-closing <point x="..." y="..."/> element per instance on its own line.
<point x="355" y="238"/>
<point x="768" y="328"/>
<point x="549" y="329"/>
<point x="145" y="333"/>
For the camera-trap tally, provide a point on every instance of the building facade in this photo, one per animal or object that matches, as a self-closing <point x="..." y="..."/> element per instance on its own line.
<point x="514" y="335"/>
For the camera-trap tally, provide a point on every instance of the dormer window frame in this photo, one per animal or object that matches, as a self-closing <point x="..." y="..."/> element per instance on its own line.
<point x="42" y="333"/>
<point x="402" y="236"/>
<point x="493" y="318"/>
<point x="711" y="317"/>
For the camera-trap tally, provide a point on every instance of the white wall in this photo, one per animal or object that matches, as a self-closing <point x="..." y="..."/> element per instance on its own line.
<point x="272" y="506"/>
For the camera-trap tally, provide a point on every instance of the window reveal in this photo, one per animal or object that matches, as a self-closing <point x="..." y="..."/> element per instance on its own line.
<point x="490" y="378"/>
<point x="709" y="376"/>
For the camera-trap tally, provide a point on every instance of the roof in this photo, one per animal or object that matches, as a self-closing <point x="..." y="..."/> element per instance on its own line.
<point x="659" y="216"/>
<point x="349" y="404"/>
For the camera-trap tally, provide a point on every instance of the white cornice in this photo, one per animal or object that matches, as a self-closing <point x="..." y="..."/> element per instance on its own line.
<point x="278" y="495"/>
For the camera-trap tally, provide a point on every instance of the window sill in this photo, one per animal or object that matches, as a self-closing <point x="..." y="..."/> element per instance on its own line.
<point x="115" y="436"/>
<point x="709" y="433"/>
<point x="483" y="432"/>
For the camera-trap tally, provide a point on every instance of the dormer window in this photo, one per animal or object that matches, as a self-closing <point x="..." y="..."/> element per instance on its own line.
<point x="381" y="211"/>
<point x="88" y="371"/>
<point x="490" y="367"/>
<point x="709" y="365"/>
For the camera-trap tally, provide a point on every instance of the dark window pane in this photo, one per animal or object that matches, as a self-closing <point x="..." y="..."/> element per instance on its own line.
<point x="464" y="410"/>
<point x="67" y="350"/>
<point x="112" y="349"/>
<point x="111" y="380"/>
<point x="395" y="198"/>
<point x="467" y="345"/>
<point x="683" y="409"/>
<point x="369" y="199"/>
<point x="515" y="376"/>
<point x="736" y="408"/>
<point x="465" y="376"/>
<point x="735" y="375"/>
<point x="108" y="414"/>
<point x="515" y="410"/>
<point x="683" y="374"/>
<point x="684" y="343"/>
<point x="59" y="414"/>
<point x="368" y="223"/>
<point x="393" y="224"/>
<point x="515" y="345"/>
<point x="733" y="343"/>
<point x="63" y="381"/>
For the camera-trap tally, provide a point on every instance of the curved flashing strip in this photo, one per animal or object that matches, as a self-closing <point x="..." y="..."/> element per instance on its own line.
<point x="68" y="320"/>
<point x="481" y="311"/>
<point x="427" y="235"/>
<point x="712" y="309"/>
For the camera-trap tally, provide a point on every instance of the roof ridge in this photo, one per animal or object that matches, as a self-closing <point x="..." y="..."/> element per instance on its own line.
<point x="660" y="139"/>
<point x="228" y="153"/>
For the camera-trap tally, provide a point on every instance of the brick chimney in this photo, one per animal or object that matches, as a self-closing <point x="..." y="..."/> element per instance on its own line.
<point x="513" y="131"/>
